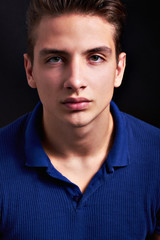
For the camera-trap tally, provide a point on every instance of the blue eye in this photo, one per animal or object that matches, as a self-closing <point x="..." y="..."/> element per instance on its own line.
<point x="55" y="60"/>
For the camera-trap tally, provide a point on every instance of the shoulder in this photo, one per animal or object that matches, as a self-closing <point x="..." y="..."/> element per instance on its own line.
<point x="142" y="130"/>
<point x="12" y="138"/>
<point x="138" y="132"/>
<point x="13" y="131"/>
<point x="143" y="142"/>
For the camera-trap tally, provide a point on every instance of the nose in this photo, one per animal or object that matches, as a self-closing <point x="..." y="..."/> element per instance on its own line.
<point x="74" y="79"/>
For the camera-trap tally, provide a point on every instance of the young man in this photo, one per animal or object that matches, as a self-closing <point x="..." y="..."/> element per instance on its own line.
<point x="77" y="167"/>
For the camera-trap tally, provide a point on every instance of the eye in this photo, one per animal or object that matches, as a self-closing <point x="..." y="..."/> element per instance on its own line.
<point x="55" y="60"/>
<point x="96" y="58"/>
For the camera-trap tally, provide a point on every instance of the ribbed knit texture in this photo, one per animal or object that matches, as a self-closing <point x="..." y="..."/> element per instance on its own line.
<point x="122" y="202"/>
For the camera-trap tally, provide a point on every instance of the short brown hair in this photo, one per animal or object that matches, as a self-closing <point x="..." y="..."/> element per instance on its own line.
<point x="111" y="10"/>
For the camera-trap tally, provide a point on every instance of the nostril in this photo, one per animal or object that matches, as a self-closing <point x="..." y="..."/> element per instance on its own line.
<point x="69" y="88"/>
<point x="71" y="84"/>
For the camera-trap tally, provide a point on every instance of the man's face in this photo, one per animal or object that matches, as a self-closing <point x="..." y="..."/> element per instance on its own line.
<point x="75" y="68"/>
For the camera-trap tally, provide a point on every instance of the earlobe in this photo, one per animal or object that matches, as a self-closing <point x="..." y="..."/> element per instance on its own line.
<point x="28" y="68"/>
<point x="120" y="69"/>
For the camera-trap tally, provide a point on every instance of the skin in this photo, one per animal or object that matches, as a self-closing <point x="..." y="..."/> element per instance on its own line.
<point x="74" y="56"/>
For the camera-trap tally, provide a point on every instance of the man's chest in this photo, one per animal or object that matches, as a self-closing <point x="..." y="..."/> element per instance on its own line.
<point x="52" y="209"/>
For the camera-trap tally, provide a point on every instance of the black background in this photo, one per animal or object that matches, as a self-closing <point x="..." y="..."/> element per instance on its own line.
<point x="139" y="93"/>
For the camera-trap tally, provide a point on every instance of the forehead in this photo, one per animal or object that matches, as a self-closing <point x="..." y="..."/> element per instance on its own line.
<point x="74" y="31"/>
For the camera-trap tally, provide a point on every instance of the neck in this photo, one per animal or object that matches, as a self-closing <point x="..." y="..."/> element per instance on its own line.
<point x="67" y="141"/>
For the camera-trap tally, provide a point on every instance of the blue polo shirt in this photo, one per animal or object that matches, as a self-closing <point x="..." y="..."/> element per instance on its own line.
<point x="121" y="202"/>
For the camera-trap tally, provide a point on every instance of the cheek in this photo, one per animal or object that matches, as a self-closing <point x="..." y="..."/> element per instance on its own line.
<point x="104" y="82"/>
<point x="47" y="80"/>
<point x="47" y="88"/>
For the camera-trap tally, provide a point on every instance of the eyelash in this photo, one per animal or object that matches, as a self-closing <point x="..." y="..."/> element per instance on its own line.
<point x="63" y="60"/>
<point x="56" y="57"/>
<point x="100" y="59"/>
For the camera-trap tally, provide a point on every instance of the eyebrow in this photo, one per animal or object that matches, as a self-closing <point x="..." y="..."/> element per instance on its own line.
<point x="99" y="49"/>
<point x="47" y="51"/>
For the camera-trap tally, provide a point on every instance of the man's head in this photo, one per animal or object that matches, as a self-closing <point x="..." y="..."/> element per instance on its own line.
<point x="75" y="68"/>
<point x="112" y="11"/>
<point x="74" y="59"/>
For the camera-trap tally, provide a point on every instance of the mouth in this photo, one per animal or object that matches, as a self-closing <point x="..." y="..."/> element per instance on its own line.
<point x="76" y="104"/>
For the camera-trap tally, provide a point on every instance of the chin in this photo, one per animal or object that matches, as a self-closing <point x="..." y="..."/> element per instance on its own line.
<point x="79" y="120"/>
<point x="79" y="123"/>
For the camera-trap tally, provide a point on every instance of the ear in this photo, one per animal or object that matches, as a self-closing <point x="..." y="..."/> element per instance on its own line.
<point x="29" y="71"/>
<point x="120" y="69"/>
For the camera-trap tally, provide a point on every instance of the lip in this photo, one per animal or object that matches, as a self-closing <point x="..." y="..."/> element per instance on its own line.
<point x="76" y="104"/>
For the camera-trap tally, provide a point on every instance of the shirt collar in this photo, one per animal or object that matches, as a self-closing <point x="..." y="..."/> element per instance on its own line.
<point x="36" y="156"/>
<point x="118" y="155"/>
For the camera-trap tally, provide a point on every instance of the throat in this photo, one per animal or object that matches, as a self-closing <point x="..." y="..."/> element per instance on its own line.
<point x="79" y="171"/>
<point x="79" y="157"/>
<point x="79" y="142"/>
